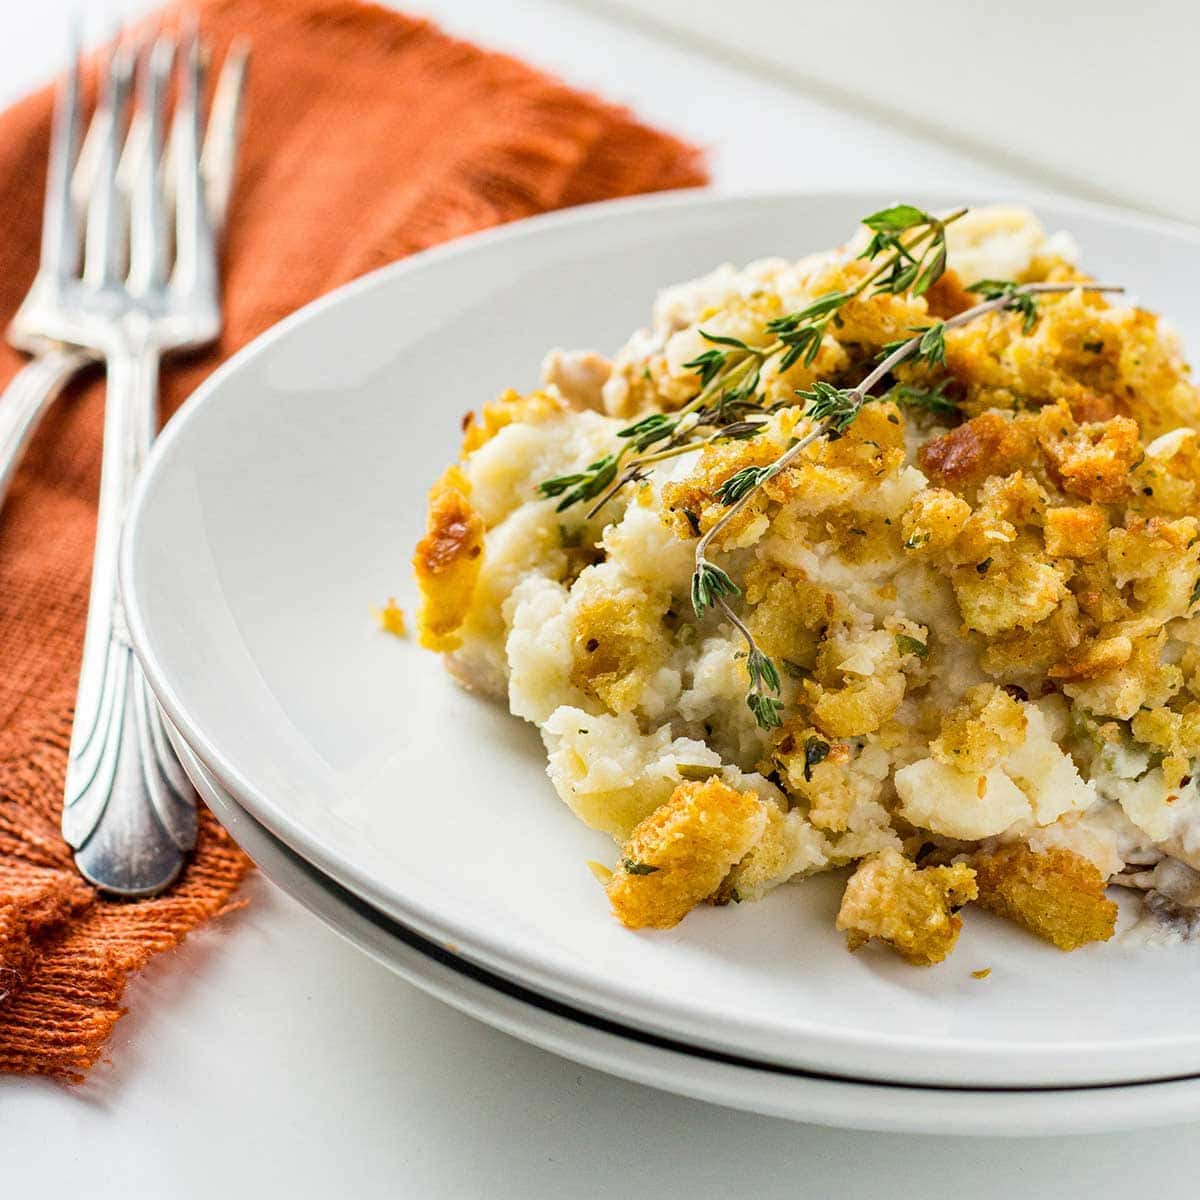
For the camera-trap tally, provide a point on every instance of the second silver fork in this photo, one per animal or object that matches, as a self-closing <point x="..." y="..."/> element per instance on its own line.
<point x="34" y="388"/>
<point x="148" y="286"/>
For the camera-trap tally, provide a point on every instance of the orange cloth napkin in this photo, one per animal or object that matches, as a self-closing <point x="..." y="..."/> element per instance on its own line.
<point x="368" y="136"/>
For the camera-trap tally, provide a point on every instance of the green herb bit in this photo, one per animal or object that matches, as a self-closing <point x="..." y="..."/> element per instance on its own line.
<point x="719" y="340"/>
<point x="570" y="539"/>
<point x="982" y="567"/>
<point x="709" y="583"/>
<point x="931" y="399"/>
<point x="1093" y="347"/>
<point x="931" y="347"/>
<point x="822" y="306"/>
<point x="835" y="406"/>
<point x="711" y="363"/>
<point x="584" y="485"/>
<point x="742" y="431"/>
<point x="696" y="772"/>
<point x="815" y="752"/>
<point x="897" y="219"/>
<point x="910" y="645"/>
<point x="650" y="429"/>
<point x="762" y="671"/>
<point x="633" y="867"/>
<point x="907" y="271"/>
<point x="1195" y="598"/>
<point x="766" y="710"/>
<point x="1019" y="300"/>
<point x="802" y="344"/>
<point x="741" y="482"/>
<point x="707" y="365"/>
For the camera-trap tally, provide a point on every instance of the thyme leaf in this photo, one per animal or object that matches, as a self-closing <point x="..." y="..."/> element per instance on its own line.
<point x="910" y="645"/>
<point x="835" y="406"/>
<point x="633" y="867"/>
<point x="583" y="485"/>
<point x="741" y="482"/>
<point x="1019" y="299"/>
<point x="815" y="752"/>
<point x="709" y="583"/>
<point x="766" y="710"/>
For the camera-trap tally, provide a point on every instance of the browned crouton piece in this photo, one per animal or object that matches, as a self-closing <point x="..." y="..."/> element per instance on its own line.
<point x="1054" y="893"/>
<point x="1094" y="659"/>
<point x="1076" y="532"/>
<point x="1094" y="460"/>
<point x="447" y="561"/>
<point x="910" y="908"/>
<point x="681" y="852"/>
<point x="985" y="445"/>
<point x="511" y="408"/>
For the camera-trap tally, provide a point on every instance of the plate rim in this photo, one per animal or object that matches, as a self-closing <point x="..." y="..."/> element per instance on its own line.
<point x="1054" y="1111"/>
<point x="511" y="960"/>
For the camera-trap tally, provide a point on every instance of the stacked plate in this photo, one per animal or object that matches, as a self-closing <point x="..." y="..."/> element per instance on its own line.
<point x="284" y="501"/>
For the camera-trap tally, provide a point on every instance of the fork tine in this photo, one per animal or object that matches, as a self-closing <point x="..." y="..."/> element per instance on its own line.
<point x="148" y="241"/>
<point x="104" y="243"/>
<point x="195" y="259"/>
<point x="60" y="222"/>
<point x="218" y="158"/>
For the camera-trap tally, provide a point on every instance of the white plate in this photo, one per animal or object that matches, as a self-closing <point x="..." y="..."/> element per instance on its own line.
<point x="285" y="499"/>
<point x="624" y="1052"/>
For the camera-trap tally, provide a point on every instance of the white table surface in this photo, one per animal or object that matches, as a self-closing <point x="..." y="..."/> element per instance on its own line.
<point x="269" y="1058"/>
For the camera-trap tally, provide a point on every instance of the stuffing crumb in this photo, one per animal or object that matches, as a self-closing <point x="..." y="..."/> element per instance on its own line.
<point x="914" y="910"/>
<point x="600" y="872"/>
<point x="390" y="618"/>
<point x="1056" y="894"/>
<point x="678" y="856"/>
<point x="982" y="973"/>
<point x="447" y="561"/>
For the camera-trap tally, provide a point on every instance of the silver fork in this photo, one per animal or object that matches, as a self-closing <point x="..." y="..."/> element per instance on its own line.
<point x="34" y="388"/>
<point x="125" y="289"/>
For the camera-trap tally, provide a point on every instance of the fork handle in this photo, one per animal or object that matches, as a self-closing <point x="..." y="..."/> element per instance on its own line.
<point x="27" y="399"/>
<point x="128" y="810"/>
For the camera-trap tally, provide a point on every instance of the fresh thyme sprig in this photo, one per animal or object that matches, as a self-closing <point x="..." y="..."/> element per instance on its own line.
<point x="906" y="271"/>
<point x="1018" y="299"/>
<point x="931" y="347"/>
<point x="741" y="482"/>
<point x="730" y="370"/>
<point x="764" y="679"/>
<point x="833" y="410"/>
<point x="582" y="485"/>
<point x="910" y="245"/>
<point x="915" y="265"/>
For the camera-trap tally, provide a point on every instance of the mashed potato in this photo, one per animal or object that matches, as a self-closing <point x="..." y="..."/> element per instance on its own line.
<point x="981" y="606"/>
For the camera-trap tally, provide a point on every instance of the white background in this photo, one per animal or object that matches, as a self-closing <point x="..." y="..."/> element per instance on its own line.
<point x="267" y="1057"/>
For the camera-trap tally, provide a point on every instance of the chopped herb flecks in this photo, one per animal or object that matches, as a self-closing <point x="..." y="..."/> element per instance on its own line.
<point x="910" y="645"/>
